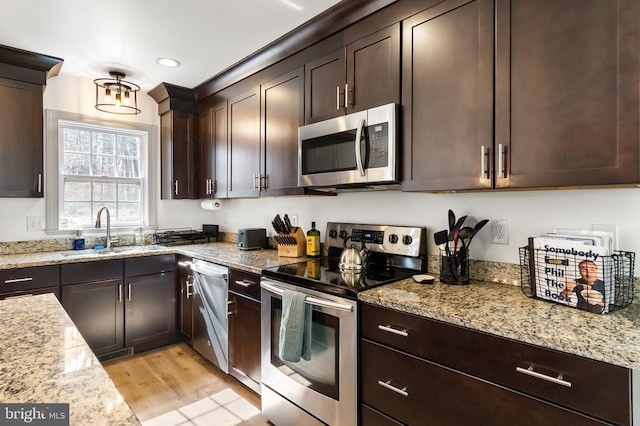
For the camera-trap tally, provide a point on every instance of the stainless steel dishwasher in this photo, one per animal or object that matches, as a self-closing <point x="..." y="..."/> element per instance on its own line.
<point x="210" y="314"/>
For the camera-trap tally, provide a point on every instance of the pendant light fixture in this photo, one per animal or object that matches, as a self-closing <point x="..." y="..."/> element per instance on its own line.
<point x="116" y="95"/>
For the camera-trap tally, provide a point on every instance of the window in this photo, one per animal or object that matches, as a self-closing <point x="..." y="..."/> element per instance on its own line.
<point x="94" y="164"/>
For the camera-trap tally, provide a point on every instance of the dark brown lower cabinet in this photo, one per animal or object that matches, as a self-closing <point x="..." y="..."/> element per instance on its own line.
<point x="185" y="305"/>
<point x="122" y="303"/>
<point x="444" y="374"/>
<point x="416" y="392"/>
<point x="150" y="311"/>
<point x="31" y="280"/>
<point x="244" y="328"/>
<point x="97" y="310"/>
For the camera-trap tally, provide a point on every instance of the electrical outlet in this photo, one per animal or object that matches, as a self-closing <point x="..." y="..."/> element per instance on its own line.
<point x="499" y="232"/>
<point x="293" y="218"/>
<point x="35" y="223"/>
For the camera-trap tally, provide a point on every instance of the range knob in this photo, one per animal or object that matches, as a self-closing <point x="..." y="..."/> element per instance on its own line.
<point x="393" y="238"/>
<point x="333" y="233"/>
<point x="343" y="234"/>
<point x="406" y="240"/>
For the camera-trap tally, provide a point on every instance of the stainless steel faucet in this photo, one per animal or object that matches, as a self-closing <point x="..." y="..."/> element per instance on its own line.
<point x="110" y="239"/>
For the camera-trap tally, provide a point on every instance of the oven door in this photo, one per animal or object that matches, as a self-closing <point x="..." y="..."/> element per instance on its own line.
<point x="325" y="386"/>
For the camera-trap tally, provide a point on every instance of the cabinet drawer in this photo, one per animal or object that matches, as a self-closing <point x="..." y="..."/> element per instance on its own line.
<point x="22" y="293"/>
<point x="84" y="272"/>
<point x="497" y="359"/>
<point x="21" y="279"/>
<point x="371" y="417"/>
<point x="135" y="266"/>
<point x="244" y="283"/>
<point x="412" y="390"/>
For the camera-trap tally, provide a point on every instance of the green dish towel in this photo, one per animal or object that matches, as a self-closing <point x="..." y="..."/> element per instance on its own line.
<point x="295" y="327"/>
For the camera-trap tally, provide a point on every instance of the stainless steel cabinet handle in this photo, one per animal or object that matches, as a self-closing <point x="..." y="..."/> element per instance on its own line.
<point x="175" y="184"/>
<point x="229" y="312"/>
<point x="18" y="280"/>
<point x="390" y="329"/>
<point x="39" y="182"/>
<point x="484" y="170"/>
<point x="189" y="286"/>
<point x="557" y="380"/>
<point x="245" y="283"/>
<point x="266" y="183"/>
<point x="387" y="385"/>
<point x="358" y="154"/>
<point x="346" y="96"/>
<point x="129" y="292"/>
<point x="183" y="263"/>
<point x="337" y="97"/>
<point x="501" y="171"/>
<point x="120" y="293"/>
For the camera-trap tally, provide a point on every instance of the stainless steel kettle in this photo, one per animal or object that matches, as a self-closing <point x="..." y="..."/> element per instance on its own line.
<point x="352" y="258"/>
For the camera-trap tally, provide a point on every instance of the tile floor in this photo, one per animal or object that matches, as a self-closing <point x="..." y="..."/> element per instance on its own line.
<point x="225" y="408"/>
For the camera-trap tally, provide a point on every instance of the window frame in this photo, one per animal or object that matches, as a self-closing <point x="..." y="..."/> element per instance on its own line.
<point x="54" y="179"/>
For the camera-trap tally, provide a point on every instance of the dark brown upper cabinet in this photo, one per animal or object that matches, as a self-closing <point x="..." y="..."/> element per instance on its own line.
<point x="244" y="144"/>
<point x="364" y="74"/>
<point x="448" y="96"/>
<point x="282" y="113"/>
<point x="212" y="130"/>
<point x="178" y="145"/>
<point x="22" y="79"/>
<point x="567" y="101"/>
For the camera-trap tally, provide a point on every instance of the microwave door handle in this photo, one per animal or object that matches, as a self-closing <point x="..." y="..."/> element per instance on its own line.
<point x="357" y="147"/>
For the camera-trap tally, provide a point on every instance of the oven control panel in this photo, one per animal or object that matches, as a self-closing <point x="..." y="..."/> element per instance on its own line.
<point x="403" y="240"/>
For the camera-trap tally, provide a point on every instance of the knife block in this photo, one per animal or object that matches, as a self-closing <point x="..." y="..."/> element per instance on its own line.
<point x="293" y="244"/>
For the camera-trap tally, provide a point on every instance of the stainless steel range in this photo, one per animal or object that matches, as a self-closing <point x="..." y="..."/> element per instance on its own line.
<point x="323" y="389"/>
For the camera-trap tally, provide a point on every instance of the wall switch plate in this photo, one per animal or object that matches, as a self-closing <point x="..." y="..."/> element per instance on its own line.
<point x="500" y="232"/>
<point x="293" y="218"/>
<point x="35" y="223"/>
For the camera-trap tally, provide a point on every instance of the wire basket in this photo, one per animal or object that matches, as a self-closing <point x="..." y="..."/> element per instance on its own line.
<point x="560" y="279"/>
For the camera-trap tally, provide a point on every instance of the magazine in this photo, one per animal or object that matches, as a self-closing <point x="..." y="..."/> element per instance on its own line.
<point x="572" y="273"/>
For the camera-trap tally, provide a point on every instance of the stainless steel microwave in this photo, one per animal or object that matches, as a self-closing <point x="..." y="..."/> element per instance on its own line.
<point x="353" y="150"/>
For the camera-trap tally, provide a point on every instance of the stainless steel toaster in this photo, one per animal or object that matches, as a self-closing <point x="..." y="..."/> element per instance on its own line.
<point x="252" y="238"/>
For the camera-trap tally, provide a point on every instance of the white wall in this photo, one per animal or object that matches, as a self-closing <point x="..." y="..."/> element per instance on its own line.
<point x="529" y="213"/>
<point x="77" y="95"/>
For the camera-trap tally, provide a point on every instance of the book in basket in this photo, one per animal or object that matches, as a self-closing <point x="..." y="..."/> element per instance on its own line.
<point x="572" y="273"/>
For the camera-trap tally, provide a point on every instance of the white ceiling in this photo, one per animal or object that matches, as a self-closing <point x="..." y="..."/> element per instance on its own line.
<point x="95" y="36"/>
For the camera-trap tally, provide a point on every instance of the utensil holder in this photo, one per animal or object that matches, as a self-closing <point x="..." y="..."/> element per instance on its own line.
<point x="293" y="244"/>
<point x="454" y="268"/>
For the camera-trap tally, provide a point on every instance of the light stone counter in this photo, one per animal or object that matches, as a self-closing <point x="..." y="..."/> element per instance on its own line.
<point x="226" y="254"/>
<point x="43" y="359"/>
<point x="503" y="310"/>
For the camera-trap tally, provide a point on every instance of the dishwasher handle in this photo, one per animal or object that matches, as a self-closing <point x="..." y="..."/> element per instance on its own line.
<point x="210" y="270"/>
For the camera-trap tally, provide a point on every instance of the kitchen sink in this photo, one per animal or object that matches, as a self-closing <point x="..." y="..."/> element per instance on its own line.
<point x="111" y="250"/>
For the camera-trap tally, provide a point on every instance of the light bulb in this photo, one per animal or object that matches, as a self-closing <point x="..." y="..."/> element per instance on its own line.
<point x="127" y="101"/>
<point x="118" y="99"/>
<point x="107" y="96"/>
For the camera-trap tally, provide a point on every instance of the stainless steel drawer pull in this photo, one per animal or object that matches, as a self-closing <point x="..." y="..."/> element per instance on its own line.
<point x="557" y="380"/>
<point x="175" y="184"/>
<point x="390" y="329"/>
<point x="120" y="293"/>
<point x="387" y="385"/>
<point x="18" y="280"/>
<point x="182" y="263"/>
<point x="501" y="159"/>
<point x="245" y="283"/>
<point x="129" y="297"/>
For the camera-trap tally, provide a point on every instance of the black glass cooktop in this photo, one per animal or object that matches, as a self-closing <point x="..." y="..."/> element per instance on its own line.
<point x="323" y="274"/>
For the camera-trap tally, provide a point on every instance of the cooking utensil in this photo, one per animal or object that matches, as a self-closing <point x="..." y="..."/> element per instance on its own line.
<point x="441" y="237"/>
<point x="476" y="228"/>
<point x="452" y="220"/>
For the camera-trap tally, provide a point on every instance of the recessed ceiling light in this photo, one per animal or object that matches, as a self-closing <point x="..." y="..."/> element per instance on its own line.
<point x="168" y="62"/>
<point x="291" y="4"/>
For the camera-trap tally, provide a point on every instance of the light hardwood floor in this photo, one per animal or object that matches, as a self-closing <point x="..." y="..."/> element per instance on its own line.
<point x="159" y="381"/>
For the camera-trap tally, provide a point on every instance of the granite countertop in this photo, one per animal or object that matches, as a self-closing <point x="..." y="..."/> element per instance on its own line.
<point x="227" y="254"/>
<point x="503" y="310"/>
<point x="48" y="361"/>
